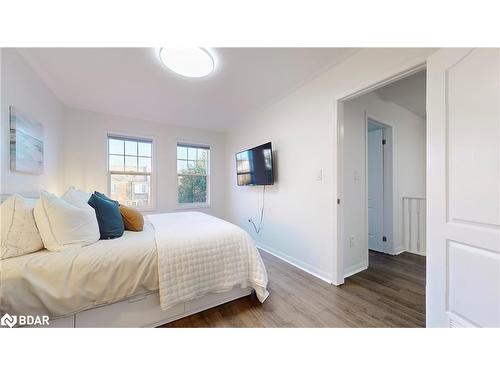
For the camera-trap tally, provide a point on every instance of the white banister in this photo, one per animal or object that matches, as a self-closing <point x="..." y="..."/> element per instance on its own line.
<point x="414" y="224"/>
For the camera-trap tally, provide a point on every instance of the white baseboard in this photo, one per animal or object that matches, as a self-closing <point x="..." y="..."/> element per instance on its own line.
<point x="355" y="269"/>
<point x="400" y="251"/>
<point x="296" y="263"/>
<point x="415" y="252"/>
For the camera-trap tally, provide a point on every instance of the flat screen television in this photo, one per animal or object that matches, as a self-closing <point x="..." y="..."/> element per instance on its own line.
<point x="255" y="166"/>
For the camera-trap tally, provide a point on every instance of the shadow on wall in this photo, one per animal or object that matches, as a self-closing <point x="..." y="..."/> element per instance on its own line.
<point x="275" y="167"/>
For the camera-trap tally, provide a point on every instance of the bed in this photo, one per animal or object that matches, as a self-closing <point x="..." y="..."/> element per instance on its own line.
<point x="182" y="263"/>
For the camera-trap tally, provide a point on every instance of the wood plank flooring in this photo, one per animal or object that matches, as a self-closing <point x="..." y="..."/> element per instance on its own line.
<point x="390" y="293"/>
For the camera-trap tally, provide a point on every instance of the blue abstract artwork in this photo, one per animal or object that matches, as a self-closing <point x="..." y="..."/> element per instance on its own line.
<point x="26" y="143"/>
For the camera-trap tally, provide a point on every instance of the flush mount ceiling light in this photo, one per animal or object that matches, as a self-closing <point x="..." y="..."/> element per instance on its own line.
<point x="188" y="62"/>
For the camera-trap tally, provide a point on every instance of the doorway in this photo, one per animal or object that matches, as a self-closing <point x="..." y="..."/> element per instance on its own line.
<point x="379" y="192"/>
<point x="381" y="163"/>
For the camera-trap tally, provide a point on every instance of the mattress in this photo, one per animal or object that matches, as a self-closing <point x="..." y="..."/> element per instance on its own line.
<point x="199" y="254"/>
<point x="60" y="284"/>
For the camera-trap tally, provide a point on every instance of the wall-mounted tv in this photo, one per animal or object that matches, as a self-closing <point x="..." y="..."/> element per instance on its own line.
<point x="255" y="166"/>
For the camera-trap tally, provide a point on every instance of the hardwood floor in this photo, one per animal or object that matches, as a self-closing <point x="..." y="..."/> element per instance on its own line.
<point x="390" y="293"/>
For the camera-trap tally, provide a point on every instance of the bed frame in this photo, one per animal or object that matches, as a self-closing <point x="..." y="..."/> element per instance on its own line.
<point x="144" y="311"/>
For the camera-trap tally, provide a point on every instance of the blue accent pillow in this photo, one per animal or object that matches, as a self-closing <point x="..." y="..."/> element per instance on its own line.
<point x="108" y="215"/>
<point x="101" y="195"/>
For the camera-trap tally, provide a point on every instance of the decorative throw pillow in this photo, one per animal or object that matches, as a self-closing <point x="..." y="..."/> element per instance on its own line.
<point x="132" y="219"/>
<point x="63" y="224"/>
<point x="101" y="195"/>
<point x="19" y="231"/>
<point x="108" y="216"/>
<point x="77" y="197"/>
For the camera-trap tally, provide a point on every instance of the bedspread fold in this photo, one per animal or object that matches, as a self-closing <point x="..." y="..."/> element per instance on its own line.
<point x="198" y="254"/>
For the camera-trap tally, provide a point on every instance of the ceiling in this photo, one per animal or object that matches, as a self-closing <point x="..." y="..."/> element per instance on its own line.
<point x="408" y="92"/>
<point x="131" y="82"/>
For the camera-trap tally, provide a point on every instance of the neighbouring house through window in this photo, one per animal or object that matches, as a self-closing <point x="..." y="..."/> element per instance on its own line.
<point x="129" y="165"/>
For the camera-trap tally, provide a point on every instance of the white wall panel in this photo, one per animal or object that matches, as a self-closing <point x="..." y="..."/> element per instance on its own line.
<point x="473" y="278"/>
<point x="473" y="107"/>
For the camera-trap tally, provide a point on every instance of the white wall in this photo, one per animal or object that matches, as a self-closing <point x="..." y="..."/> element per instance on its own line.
<point x="408" y="145"/>
<point x="85" y="149"/>
<point x="75" y="143"/>
<point x="22" y="88"/>
<point x="301" y="213"/>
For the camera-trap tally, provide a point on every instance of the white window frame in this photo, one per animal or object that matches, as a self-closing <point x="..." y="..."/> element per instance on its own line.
<point x="195" y="205"/>
<point x="152" y="174"/>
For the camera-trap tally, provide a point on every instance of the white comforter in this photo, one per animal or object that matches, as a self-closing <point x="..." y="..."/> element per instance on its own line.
<point x="64" y="283"/>
<point x="198" y="253"/>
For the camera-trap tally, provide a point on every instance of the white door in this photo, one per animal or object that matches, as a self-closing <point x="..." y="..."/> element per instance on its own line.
<point x="463" y="173"/>
<point x="375" y="189"/>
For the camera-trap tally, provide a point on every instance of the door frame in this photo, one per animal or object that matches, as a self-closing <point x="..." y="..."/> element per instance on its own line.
<point x="387" y="185"/>
<point x="397" y="74"/>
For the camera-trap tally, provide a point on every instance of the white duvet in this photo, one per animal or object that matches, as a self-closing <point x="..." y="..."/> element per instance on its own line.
<point x="64" y="283"/>
<point x="194" y="253"/>
<point x="198" y="253"/>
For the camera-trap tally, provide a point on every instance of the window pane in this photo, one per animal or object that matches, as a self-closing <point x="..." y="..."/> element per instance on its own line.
<point x="191" y="166"/>
<point x="144" y="149"/>
<point x="202" y="154"/>
<point x="192" y="153"/>
<point x="131" y="190"/>
<point x="144" y="165"/>
<point x="182" y="152"/>
<point x="182" y="166"/>
<point x="115" y="146"/>
<point x="130" y="148"/>
<point x="192" y="189"/>
<point x="130" y="164"/>
<point x="201" y="167"/>
<point x="116" y="163"/>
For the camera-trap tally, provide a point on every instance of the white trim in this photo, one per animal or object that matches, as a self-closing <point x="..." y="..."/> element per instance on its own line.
<point x="406" y="70"/>
<point x="397" y="251"/>
<point x="296" y="263"/>
<point x="154" y="156"/>
<point x="413" y="252"/>
<point x="355" y="269"/>
<point x="189" y="206"/>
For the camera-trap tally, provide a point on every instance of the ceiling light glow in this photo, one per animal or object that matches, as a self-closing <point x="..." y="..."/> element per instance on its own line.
<point x="188" y="62"/>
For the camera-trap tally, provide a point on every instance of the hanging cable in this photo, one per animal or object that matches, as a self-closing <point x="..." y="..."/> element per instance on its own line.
<point x="259" y="228"/>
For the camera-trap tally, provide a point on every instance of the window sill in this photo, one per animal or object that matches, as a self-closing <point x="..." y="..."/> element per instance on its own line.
<point x="191" y="206"/>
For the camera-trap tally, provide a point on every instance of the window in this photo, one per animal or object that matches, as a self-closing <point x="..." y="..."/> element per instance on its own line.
<point x="193" y="170"/>
<point x="129" y="164"/>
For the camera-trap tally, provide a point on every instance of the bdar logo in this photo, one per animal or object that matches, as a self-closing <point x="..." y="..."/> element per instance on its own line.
<point x="8" y="320"/>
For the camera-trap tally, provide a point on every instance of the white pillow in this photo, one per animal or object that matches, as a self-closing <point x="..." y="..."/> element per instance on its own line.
<point x="64" y="225"/>
<point x="19" y="232"/>
<point x="77" y="197"/>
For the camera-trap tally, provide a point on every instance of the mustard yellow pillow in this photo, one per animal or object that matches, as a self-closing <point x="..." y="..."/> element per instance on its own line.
<point x="132" y="219"/>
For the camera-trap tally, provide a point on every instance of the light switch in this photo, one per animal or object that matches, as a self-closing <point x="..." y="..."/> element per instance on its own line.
<point x="319" y="175"/>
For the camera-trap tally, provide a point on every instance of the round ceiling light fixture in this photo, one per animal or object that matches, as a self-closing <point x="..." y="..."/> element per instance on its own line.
<point x="188" y="62"/>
